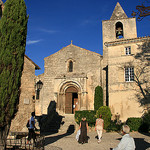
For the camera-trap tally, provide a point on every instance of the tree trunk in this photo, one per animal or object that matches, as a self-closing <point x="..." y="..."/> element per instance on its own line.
<point x="3" y="136"/>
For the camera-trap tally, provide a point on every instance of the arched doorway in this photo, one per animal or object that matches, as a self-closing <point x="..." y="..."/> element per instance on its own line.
<point x="71" y="100"/>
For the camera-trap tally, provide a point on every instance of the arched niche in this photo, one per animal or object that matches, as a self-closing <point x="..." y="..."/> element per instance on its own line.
<point x="119" y="30"/>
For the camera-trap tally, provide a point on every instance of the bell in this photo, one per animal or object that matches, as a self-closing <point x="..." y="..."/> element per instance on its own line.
<point x="119" y="33"/>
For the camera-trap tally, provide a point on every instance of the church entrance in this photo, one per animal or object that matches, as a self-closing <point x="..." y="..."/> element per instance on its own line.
<point x="71" y="100"/>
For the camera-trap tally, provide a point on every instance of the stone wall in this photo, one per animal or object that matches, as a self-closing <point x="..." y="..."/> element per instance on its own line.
<point x="26" y="101"/>
<point x="86" y="76"/>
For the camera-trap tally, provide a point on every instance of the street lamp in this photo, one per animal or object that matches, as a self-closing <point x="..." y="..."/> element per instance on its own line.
<point x="39" y="85"/>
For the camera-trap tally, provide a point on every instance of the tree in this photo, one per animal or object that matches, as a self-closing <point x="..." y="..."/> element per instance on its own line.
<point x="13" y="30"/>
<point x="142" y="74"/>
<point x="106" y="115"/>
<point x="142" y="10"/>
<point x="98" y="97"/>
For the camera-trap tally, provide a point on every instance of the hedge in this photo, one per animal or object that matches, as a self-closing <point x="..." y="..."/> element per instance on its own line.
<point x="134" y="123"/>
<point x="89" y="114"/>
<point x="106" y="115"/>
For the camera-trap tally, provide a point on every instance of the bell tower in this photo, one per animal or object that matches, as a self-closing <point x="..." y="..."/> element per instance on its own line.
<point x="119" y="26"/>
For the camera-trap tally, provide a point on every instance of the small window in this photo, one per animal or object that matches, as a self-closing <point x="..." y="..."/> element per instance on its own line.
<point x="129" y="74"/>
<point x="70" y="66"/>
<point x="128" y="50"/>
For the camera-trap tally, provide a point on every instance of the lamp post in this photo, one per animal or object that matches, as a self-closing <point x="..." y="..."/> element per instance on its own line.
<point x="39" y="86"/>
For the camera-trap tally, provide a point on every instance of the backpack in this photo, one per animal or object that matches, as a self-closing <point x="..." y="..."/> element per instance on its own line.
<point x="28" y="125"/>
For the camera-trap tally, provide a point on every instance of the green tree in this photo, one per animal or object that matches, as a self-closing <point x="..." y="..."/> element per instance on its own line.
<point x="13" y="31"/>
<point x="98" y="97"/>
<point x="106" y="115"/>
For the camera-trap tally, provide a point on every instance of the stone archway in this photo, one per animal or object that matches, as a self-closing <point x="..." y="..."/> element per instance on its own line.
<point x="69" y="97"/>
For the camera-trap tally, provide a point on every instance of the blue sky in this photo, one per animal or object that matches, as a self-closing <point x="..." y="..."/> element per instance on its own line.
<point x="53" y="24"/>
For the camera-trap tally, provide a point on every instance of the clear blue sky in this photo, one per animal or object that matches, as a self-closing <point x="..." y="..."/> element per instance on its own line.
<point x="53" y="24"/>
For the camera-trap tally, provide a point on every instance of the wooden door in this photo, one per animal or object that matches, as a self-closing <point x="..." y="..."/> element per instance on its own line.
<point x="68" y="103"/>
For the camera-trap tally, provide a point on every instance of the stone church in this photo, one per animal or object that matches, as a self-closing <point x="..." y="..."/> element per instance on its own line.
<point x="72" y="74"/>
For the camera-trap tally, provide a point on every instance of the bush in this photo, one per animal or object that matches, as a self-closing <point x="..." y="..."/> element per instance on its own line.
<point x="98" y="98"/>
<point x="106" y="115"/>
<point x="114" y="126"/>
<point x="145" y="127"/>
<point x="134" y="123"/>
<point x="89" y="114"/>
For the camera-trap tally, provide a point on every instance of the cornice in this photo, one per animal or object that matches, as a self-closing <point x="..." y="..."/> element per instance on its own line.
<point x="127" y="41"/>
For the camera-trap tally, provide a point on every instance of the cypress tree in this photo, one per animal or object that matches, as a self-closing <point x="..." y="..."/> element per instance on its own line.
<point x="13" y="31"/>
<point x="98" y="97"/>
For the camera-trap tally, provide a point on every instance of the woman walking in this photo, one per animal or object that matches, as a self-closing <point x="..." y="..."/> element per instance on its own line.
<point x="99" y="127"/>
<point x="84" y="128"/>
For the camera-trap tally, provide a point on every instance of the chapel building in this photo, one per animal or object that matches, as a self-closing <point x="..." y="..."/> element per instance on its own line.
<point x="72" y="74"/>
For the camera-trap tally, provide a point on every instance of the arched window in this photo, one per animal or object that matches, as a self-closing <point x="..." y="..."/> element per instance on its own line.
<point x="119" y="30"/>
<point x="70" y="66"/>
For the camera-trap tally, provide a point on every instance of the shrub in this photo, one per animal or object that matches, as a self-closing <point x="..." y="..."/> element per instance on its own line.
<point x="106" y="115"/>
<point x="98" y="98"/>
<point x="89" y="114"/>
<point x="145" y="127"/>
<point x="134" y="123"/>
<point x="114" y="126"/>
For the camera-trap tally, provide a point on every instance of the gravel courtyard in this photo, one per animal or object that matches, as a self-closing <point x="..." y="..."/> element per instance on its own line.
<point x="66" y="141"/>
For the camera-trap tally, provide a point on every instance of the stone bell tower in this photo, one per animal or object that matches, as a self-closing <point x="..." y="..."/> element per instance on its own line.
<point x="119" y="26"/>
<point x="119" y="46"/>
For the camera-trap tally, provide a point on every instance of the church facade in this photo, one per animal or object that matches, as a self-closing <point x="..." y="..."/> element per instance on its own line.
<point x="72" y="74"/>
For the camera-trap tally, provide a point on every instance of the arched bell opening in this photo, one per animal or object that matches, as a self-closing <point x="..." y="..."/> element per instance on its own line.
<point x="119" y="30"/>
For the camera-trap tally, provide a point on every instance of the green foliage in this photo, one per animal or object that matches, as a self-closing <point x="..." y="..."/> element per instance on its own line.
<point x="13" y="30"/>
<point x="106" y="115"/>
<point x="98" y="98"/>
<point x="134" y="123"/>
<point x="114" y="126"/>
<point x="89" y="114"/>
<point x="145" y="127"/>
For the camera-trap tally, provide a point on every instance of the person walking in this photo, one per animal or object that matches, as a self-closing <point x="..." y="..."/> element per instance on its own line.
<point x="83" y="138"/>
<point x="31" y="128"/>
<point x="99" y="127"/>
<point x="127" y="142"/>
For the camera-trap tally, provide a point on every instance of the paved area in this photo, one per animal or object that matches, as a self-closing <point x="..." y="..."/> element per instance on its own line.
<point x="63" y="141"/>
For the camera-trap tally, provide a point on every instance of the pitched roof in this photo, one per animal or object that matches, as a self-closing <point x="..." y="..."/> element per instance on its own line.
<point x="72" y="45"/>
<point x="36" y="66"/>
<point x="118" y="13"/>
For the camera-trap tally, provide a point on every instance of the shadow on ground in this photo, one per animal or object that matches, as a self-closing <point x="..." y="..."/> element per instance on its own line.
<point x="52" y="139"/>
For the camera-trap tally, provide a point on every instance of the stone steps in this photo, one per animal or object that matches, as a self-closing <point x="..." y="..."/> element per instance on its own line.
<point x="69" y="124"/>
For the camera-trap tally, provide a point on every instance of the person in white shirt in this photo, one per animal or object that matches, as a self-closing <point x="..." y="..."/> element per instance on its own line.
<point x="127" y="142"/>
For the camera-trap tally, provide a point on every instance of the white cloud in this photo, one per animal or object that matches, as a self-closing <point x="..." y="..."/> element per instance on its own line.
<point x="29" y="42"/>
<point x="48" y="31"/>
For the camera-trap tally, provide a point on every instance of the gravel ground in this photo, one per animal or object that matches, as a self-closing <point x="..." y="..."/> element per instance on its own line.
<point x="64" y="141"/>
